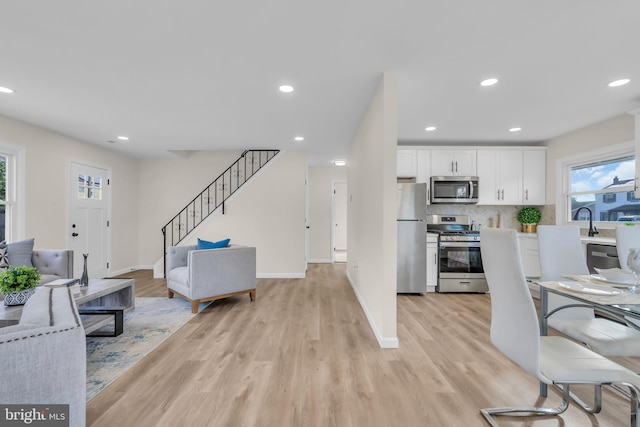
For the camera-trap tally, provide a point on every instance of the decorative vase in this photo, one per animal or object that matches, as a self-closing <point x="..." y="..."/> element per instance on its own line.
<point x="529" y="228"/>
<point x="633" y="261"/>
<point x="18" y="297"/>
<point x="84" y="280"/>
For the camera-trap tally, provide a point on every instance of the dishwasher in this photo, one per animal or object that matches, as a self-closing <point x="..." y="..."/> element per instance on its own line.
<point x="601" y="256"/>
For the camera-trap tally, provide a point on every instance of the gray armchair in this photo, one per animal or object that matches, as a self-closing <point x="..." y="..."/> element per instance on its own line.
<point x="53" y="264"/>
<point x="44" y="356"/>
<point x="211" y="274"/>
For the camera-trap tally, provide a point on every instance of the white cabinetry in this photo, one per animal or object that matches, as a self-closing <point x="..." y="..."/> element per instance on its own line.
<point x="453" y="162"/>
<point x="500" y="177"/>
<point x="512" y="177"/>
<point x="407" y="163"/>
<point x="432" y="262"/>
<point x="529" y="254"/>
<point x="534" y="172"/>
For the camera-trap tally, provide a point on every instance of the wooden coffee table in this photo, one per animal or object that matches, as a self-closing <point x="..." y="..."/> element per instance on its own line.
<point x="107" y="293"/>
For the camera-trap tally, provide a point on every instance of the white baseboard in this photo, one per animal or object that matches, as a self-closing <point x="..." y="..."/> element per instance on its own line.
<point x="319" y="261"/>
<point x="280" y="275"/>
<point x="383" y="342"/>
<point x="127" y="270"/>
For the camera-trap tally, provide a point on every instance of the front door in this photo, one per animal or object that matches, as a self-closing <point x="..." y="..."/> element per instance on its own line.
<point x="89" y="231"/>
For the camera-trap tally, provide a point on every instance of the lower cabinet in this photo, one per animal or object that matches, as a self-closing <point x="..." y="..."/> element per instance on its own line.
<point x="529" y="254"/>
<point x="432" y="262"/>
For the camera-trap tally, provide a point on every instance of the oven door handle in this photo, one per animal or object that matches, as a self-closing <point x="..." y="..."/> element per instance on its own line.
<point x="459" y="245"/>
<point x="470" y="189"/>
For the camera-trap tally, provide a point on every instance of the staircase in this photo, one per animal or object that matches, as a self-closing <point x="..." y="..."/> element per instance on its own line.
<point x="214" y="195"/>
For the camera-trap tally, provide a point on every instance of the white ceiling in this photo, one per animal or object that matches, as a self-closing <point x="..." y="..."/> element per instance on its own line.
<point x="198" y="74"/>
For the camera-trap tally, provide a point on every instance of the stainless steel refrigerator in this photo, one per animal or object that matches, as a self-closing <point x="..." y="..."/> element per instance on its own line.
<point x="412" y="238"/>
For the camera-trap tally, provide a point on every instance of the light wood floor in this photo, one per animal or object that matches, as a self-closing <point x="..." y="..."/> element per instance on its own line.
<point x="303" y="354"/>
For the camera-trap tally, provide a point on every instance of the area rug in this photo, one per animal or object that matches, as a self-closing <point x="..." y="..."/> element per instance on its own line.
<point x="146" y="327"/>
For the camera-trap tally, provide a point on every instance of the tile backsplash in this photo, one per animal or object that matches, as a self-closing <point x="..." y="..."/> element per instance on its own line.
<point x="488" y="216"/>
<point x="492" y="216"/>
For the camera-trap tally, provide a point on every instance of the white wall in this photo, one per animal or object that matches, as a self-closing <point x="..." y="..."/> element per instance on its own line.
<point x="268" y="212"/>
<point x="372" y="232"/>
<point x="320" y="199"/>
<point x="47" y="157"/>
<point x="608" y="132"/>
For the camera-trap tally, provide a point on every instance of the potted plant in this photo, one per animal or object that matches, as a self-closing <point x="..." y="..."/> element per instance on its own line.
<point x="18" y="283"/>
<point x="529" y="217"/>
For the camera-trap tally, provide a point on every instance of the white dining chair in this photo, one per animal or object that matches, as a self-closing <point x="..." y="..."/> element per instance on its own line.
<point x="561" y="253"/>
<point x="554" y="360"/>
<point x="627" y="237"/>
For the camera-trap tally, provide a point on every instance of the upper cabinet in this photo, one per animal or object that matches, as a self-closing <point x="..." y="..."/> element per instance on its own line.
<point x="512" y="176"/>
<point x="424" y="170"/>
<point x="453" y="162"/>
<point x="407" y="163"/>
<point x="534" y="173"/>
<point x="500" y="177"/>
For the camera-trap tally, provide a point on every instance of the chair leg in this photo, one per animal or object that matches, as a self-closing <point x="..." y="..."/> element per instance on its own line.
<point x="252" y="294"/>
<point x="597" y="399"/>
<point x="194" y="306"/>
<point x="525" y="411"/>
<point x="170" y="293"/>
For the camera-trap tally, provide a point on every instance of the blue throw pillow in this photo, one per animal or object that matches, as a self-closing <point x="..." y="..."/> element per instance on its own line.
<point x="203" y="244"/>
<point x="19" y="253"/>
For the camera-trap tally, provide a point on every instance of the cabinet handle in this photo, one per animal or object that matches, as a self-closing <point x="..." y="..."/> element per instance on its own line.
<point x="526" y="194"/>
<point x="435" y="259"/>
<point x="456" y="166"/>
<point x="498" y="196"/>
<point x="502" y="194"/>
<point x="451" y="167"/>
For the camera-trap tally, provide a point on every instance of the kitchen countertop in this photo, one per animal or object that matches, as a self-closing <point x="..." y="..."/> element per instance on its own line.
<point x="585" y="239"/>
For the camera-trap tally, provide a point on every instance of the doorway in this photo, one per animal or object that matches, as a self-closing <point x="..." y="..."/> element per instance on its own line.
<point x="339" y="221"/>
<point x="89" y="212"/>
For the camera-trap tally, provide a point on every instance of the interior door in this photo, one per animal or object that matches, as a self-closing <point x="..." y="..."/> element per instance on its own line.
<point x="340" y="216"/>
<point x="89" y="231"/>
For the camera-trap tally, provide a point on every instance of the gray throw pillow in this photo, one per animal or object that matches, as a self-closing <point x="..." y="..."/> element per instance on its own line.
<point x="20" y="253"/>
<point x="4" y="258"/>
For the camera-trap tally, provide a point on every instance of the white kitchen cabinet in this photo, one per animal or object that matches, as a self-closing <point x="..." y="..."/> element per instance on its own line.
<point x="534" y="172"/>
<point x="500" y="177"/>
<point x="453" y="162"/>
<point x="407" y="163"/>
<point x="529" y="254"/>
<point x="424" y="170"/>
<point x="432" y="262"/>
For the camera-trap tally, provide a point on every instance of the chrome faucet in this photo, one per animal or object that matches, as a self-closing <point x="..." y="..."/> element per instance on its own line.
<point x="592" y="229"/>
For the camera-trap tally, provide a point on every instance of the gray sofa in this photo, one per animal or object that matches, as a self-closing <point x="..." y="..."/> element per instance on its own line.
<point x="44" y="356"/>
<point x="53" y="264"/>
<point x="211" y="274"/>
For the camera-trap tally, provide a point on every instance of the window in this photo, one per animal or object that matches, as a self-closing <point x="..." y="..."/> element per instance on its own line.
<point x="605" y="187"/>
<point x="3" y="197"/>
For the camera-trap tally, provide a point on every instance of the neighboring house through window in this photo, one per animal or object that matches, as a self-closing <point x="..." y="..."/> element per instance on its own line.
<point x="603" y="182"/>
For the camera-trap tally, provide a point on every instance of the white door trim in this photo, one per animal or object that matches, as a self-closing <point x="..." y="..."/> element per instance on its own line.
<point x="70" y="179"/>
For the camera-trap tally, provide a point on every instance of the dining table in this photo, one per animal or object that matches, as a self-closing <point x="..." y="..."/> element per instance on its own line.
<point x="615" y="300"/>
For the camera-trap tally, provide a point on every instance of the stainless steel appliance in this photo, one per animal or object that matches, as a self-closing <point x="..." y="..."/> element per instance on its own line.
<point x="459" y="260"/>
<point x="454" y="189"/>
<point x="602" y="256"/>
<point x="412" y="243"/>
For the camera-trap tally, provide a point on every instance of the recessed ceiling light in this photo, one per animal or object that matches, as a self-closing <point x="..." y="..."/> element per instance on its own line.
<point x="286" y="88"/>
<point x="619" y="82"/>
<point x="6" y="90"/>
<point x="430" y="128"/>
<point x="515" y="129"/>
<point x="489" y="82"/>
<point x="123" y="138"/>
<point x="299" y="138"/>
<point x="340" y="162"/>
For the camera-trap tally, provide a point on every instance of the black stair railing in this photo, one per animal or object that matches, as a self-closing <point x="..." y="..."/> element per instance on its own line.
<point x="214" y="196"/>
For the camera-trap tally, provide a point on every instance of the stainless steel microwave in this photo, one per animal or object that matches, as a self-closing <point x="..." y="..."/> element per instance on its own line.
<point x="454" y="189"/>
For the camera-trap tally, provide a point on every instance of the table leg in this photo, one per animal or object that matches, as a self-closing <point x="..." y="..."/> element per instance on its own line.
<point x="544" y="301"/>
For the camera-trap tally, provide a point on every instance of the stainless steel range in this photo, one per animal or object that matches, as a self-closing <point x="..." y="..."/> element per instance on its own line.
<point x="459" y="261"/>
